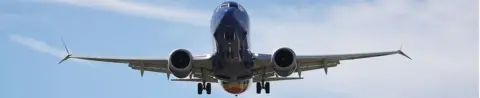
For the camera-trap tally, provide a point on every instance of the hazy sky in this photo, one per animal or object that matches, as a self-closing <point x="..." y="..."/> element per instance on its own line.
<point x="440" y="35"/>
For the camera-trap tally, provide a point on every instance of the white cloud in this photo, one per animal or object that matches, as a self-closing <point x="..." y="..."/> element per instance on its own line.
<point x="440" y="35"/>
<point x="166" y="13"/>
<point x="42" y="47"/>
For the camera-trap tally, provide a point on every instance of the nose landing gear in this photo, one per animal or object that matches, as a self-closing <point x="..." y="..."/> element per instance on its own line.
<point x="229" y="36"/>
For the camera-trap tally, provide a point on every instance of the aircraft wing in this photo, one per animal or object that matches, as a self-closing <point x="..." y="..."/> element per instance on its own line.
<point x="311" y="62"/>
<point x="150" y="64"/>
<point x="201" y="64"/>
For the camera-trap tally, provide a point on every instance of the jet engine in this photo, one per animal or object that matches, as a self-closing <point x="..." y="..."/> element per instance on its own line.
<point x="284" y="61"/>
<point x="180" y="63"/>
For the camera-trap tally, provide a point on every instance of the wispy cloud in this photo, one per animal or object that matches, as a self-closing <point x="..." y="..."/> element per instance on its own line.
<point x="41" y="46"/>
<point x="440" y="33"/>
<point x="166" y="13"/>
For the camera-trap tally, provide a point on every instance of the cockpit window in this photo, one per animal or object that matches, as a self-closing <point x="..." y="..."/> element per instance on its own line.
<point x="241" y="8"/>
<point x="231" y="4"/>
<point x="234" y="5"/>
<point x="224" y="5"/>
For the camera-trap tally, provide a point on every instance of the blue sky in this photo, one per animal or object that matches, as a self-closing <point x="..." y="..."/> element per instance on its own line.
<point x="440" y="36"/>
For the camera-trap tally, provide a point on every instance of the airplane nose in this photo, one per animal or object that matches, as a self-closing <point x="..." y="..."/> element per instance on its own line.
<point x="229" y="12"/>
<point x="229" y="16"/>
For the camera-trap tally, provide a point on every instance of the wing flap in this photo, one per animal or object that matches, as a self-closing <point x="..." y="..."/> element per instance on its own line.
<point x="350" y="56"/>
<point x="122" y="60"/>
<point x="196" y="80"/>
<point x="277" y="79"/>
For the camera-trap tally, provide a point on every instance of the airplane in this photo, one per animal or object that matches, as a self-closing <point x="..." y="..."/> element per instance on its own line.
<point x="232" y="64"/>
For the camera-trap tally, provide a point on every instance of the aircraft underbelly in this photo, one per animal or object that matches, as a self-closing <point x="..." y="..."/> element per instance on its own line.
<point x="233" y="72"/>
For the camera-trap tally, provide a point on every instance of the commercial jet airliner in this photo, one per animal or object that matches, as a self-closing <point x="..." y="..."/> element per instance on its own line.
<point x="232" y="64"/>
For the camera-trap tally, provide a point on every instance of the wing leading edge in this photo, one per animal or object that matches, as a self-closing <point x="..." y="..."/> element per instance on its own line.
<point x="313" y="62"/>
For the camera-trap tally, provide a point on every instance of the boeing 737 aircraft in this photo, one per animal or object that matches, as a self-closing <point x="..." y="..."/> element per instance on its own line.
<point x="232" y="64"/>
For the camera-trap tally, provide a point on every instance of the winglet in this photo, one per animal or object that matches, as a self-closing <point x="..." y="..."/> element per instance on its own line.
<point x="65" y="58"/>
<point x="66" y="49"/>
<point x="402" y="53"/>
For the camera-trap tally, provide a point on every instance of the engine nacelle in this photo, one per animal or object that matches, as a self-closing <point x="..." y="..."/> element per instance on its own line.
<point x="180" y="63"/>
<point x="284" y="61"/>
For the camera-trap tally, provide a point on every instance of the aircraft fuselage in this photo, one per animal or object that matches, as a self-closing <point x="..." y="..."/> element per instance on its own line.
<point x="232" y="62"/>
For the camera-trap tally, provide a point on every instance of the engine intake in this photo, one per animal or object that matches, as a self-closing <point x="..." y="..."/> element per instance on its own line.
<point x="180" y="63"/>
<point x="284" y="61"/>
